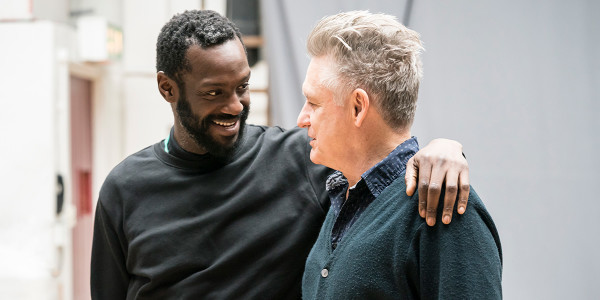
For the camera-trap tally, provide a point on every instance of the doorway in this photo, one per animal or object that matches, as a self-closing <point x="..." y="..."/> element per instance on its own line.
<point x="81" y="174"/>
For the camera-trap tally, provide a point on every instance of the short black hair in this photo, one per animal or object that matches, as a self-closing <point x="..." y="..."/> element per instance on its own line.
<point x="203" y="28"/>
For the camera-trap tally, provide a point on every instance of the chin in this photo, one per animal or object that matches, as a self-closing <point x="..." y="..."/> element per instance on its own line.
<point x="223" y="146"/>
<point x="315" y="158"/>
<point x="227" y="141"/>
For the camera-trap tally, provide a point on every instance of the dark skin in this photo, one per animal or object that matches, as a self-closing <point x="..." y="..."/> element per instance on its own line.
<point x="214" y="86"/>
<point x="432" y="169"/>
<point x="218" y="85"/>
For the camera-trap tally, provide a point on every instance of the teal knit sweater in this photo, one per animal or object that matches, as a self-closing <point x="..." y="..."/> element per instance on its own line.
<point x="390" y="253"/>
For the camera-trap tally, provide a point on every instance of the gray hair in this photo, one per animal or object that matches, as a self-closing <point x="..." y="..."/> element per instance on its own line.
<point x="373" y="52"/>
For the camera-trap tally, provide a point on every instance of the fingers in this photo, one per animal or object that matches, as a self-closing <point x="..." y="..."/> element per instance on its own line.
<point x="412" y="171"/>
<point x="424" y="175"/>
<point x="440" y="160"/>
<point x="433" y="194"/>
<point x="450" y="196"/>
<point x="463" y="195"/>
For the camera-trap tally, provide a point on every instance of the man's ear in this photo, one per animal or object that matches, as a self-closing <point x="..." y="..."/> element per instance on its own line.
<point x="167" y="87"/>
<point x="360" y="103"/>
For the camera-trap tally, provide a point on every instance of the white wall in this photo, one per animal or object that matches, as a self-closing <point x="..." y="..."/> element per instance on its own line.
<point x="36" y="250"/>
<point x="29" y="129"/>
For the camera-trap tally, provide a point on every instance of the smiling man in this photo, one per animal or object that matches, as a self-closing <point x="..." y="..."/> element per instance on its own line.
<point x="210" y="105"/>
<point x="218" y="209"/>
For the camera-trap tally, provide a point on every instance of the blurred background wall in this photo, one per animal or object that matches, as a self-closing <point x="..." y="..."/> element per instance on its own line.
<point x="516" y="82"/>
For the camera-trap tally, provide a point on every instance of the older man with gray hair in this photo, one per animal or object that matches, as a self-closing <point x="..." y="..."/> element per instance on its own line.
<point x="361" y="89"/>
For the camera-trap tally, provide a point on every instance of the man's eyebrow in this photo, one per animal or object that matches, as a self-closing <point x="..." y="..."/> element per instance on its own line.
<point x="308" y="96"/>
<point x="247" y="76"/>
<point x="220" y="84"/>
<point x="306" y="91"/>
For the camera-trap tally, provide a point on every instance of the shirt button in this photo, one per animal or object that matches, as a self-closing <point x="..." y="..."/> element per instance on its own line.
<point x="324" y="273"/>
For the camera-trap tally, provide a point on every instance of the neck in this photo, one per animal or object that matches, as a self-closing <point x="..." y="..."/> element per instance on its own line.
<point x="185" y="140"/>
<point x="371" y="149"/>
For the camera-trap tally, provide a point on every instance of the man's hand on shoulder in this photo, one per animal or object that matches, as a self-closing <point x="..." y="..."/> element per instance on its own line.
<point x="441" y="160"/>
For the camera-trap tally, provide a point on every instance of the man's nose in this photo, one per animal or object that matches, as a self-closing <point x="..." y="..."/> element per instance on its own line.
<point x="304" y="117"/>
<point x="234" y="105"/>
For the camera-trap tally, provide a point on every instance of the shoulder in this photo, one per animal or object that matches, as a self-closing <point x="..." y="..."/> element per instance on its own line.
<point x="473" y="231"/>
<point x="129" y="166"/>
<point x="476" y="224"/>
<point x="133" y="169"/>
<point x="276" y="134"/>
<point x="476" y="215"/>
<point x="276" y="142"/>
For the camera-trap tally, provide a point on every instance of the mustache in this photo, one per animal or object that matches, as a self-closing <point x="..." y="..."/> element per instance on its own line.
<point x="224" y="117"/>
<point x="229" y="117"/>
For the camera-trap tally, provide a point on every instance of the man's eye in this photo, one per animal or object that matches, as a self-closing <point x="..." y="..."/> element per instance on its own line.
<point x="212" y="93"/>
<point x="245" y="86"/>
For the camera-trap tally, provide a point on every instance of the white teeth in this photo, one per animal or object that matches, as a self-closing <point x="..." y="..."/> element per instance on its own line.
<point x="224" y="124"/>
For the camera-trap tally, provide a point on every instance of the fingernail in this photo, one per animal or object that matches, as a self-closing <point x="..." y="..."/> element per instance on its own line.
<point x="446" y="219"/>
<point x="430" y="221"/>
<point x="461" y="210"/>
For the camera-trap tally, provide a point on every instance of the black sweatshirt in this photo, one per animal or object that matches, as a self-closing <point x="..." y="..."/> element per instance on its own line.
<point x="171" y="228"/>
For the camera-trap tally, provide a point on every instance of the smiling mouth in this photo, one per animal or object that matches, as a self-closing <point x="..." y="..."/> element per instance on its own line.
<point x="225" y="124"/>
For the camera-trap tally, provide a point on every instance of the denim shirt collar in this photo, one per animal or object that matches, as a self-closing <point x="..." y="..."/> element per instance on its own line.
<point x="380" y="176"/>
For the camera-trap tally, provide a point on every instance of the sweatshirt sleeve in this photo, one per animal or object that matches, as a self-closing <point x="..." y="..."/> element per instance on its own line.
<point x="461" y="260"/>
<point x="109" y="276"/>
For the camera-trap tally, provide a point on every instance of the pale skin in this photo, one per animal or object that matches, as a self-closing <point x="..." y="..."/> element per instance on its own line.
<point x="352" y="136"/>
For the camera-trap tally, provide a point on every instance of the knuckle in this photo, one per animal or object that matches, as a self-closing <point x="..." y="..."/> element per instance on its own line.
<point x="451" y="188"/>
<point x="423" y="184"/>
<point x="435" y="187"/>
<point x="465" y="187"/>
<point x="448" y="210"/>
<point x="442" y="159"/>
<point x="431" y="210"/>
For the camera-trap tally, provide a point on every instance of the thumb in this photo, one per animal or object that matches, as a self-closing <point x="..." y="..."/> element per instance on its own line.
<point x="410" y="177"/>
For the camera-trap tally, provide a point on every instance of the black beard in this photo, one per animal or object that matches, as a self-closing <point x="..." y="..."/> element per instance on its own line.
<point x="198" y="129"/>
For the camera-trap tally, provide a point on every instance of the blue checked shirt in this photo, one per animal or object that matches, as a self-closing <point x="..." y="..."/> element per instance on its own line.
<point x="371" y="184"/>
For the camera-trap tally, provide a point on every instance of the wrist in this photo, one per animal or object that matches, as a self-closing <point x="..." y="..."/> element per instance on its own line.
<point x="448" y="142"/>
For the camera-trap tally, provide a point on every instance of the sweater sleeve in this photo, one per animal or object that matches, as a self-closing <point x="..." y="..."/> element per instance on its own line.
<point x="462" y="260"/>
<point x="109" y="276"/>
